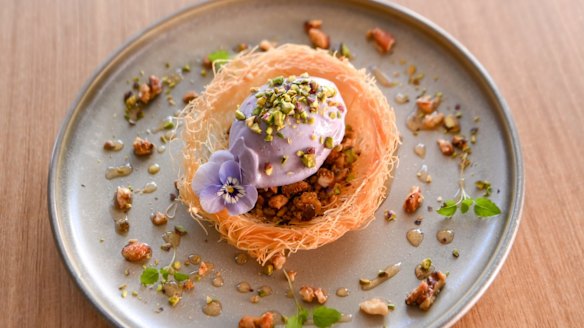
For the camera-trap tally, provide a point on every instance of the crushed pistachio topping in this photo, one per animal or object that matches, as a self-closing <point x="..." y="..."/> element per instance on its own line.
<point x="268" y="169"/>
<point x="426" y="264"/>
<point x="286" y="101"/>
<point x="329" y="142"/>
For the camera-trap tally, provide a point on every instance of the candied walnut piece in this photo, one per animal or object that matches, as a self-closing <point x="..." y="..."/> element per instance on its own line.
<point x="123" y="199"/>
<point x="189" y="96"/>
<point x="332" y="157"/>
<point x="445" y="147"/>
<point x="374" y="306"/>
<point x="159" y="218"/>
<point x="136" y="251"/>
<point x="122" y="224"/>
<point x="321" y="295"/>
<point x="278" y="201"/>
<point x="309" y="294"/>
<point x="295" y="188"/>
<point x="414" y="200"/>
<point x="188" y="284"/>
<point x="383" y="40"/>
<point x="318" y="38"/>
<point x="142" y="147"/>
<point x="265" y="321"/>
<point x="155" y="86"/>
<point x="278" y="261"/>
<point x="431" y="121"/>
<point x="266" y="45"/>
<point x="313" y="23"/>
<point x="325" y="177"/>
<point x="308" y="204"/>
<point x="144" y="93"/>
<point x="204" y="269"/>
<point x="459" y="142"/>
<point x="292" y="275"/>
<point x="425" y="294"/>
<point x="207" y="63"/>
<point x="247" y="322"/>
<point x="427" y="104"/>
<point x="306" y="293"/>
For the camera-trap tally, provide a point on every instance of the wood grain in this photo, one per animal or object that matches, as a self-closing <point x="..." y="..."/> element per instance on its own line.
<point x="533" y="50"/>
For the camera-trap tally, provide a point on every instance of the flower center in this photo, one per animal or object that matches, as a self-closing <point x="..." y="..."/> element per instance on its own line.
<point x="231" y="191"/>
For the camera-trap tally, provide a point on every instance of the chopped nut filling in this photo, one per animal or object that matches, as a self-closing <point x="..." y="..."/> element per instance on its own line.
<point x="446" y="147"/>
<point x="425" y="294"/>
<point x="266" y="45"/>
<point x="318" y="38"/>
<point x="313" y="23"/>
<point x="427" y="104"/>
<point x="123" y="199"/>
<point x="305" y="200"/>
<point x="383" y="40"/>
<point x="142" y="147"/>
<point x="374" y="306"/>
<point x="414" y="200"/>
<point x="136" y="251"/>
<point x="190" y="96"/>
<point x="265" y="321"/>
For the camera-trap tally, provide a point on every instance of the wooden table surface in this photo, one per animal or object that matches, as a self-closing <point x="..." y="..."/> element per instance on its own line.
<point x="534" y="50"/>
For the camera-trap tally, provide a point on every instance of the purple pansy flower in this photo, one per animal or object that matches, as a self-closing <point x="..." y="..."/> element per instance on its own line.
<point x="228" y="180"/>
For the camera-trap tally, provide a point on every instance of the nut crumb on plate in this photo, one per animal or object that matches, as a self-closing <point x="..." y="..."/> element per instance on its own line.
<point x="413" y="200"/>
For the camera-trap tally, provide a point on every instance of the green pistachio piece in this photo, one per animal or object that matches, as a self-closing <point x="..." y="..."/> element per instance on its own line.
<point x="309" y="160"/>
<point x="256" y="128"/>
<point x="329" y="143"/>
<point x="239" y="115"/>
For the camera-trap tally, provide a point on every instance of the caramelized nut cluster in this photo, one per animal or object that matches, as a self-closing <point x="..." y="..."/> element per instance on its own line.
<point x="307" y="199"/>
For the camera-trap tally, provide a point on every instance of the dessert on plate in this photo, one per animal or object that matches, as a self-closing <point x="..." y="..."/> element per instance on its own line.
<point x="287" y="150"/>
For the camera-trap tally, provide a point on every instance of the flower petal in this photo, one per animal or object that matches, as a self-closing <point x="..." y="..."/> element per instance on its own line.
<point x="229" y="169"/>
<point x="206" y="175"/>
<point x="221" y="156"/>
<point x="248" y="162"/>
<point x="210" y="201"/>
<point x="237" y="147"/>
<point x="246" y="203"/>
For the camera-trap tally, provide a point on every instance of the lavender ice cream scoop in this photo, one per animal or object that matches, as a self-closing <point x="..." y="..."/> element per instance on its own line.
<point x="291" y="124"/>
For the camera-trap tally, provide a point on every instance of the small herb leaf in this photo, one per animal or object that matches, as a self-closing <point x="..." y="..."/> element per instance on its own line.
<point x="179" y="276"/>
<point x="465" y="205"/>
<point x="448" y="208"/>
<point x="149" y="276"/>
<point x="484" y="207"/>
<point x="296" y="321"/>
<point x="164" y="271"/>
<point x="219" y="54"/>
<point x="325" y="317"/>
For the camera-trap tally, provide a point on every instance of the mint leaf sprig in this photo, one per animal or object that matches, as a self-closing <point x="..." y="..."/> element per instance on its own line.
<point x="483" y="207"/>
<point x="151" y="275"/>
<point x="322" y="316"/>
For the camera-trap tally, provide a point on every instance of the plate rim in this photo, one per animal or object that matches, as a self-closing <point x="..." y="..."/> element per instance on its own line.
<point x="503" y="248"/>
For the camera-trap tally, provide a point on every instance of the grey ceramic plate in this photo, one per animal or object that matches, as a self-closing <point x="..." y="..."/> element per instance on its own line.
<point x="80" y="197"/>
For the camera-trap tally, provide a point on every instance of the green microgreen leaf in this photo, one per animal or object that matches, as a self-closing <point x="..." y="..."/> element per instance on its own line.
<point x="179" y="276"/>
<point x="164" y="271"/>
<point x="149" y="276"/>
<point x="484" y="207"/>
<point x="296" y="321"/>
<point x="325" y="317"/>
<point x="465" y="205"/>
<point x="219" y="54"/>
<point x="448" y="208"/>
